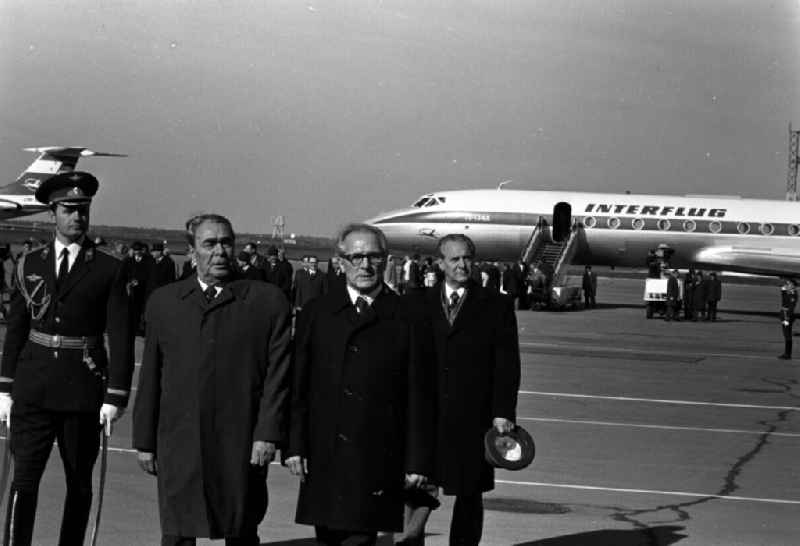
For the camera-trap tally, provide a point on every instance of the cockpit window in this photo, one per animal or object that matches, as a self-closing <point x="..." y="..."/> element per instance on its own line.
<point x="422" y="201"/>
<point x="428" y="201"/>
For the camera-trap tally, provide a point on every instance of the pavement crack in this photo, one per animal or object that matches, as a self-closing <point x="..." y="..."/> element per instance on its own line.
<point x="634" y="517"/>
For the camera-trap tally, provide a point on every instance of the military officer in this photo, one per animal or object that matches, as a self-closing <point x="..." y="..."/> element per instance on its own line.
<point x="788" y="303"/>
<point x="56" y="380"/>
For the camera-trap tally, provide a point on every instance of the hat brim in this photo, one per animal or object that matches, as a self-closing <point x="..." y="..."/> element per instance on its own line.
<point x="524" y="449"/>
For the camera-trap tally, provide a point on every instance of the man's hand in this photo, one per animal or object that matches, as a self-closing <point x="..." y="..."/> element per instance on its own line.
<point x="502" y="425"/>
<point x="110" y="413"/>
<point x="298" y="466"/>
<point x="147" y="462"/>
<point x="262" y="453"/>
<point x="415" y="480"/>
<point x="5" y="409"/>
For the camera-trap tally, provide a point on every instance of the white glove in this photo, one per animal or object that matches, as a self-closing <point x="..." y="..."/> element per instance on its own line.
<point x="5" y="408"/>
<point x="108" y="414"/>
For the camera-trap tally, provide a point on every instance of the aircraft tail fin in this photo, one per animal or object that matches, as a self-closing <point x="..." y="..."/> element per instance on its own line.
<point x="52" y="160"/>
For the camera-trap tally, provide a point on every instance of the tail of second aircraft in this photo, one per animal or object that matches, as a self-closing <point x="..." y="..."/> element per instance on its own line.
<point x="52" y="160"/>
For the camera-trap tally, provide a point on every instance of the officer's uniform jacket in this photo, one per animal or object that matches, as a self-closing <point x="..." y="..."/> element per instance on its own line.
<point x="91" y="301"/>
<point x="788" y="302"/>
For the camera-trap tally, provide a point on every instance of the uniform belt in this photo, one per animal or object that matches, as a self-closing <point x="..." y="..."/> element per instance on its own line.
<point x="55" y="341"/>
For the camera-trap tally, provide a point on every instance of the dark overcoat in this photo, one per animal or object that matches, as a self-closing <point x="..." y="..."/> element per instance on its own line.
<point x="478" y="365"/>
<point x="308" y="286"/>
<point x="699" y="295"/>
<point x="362" y="410"/>
<point x="91" y="301"/>
<point x="214" y="378"/>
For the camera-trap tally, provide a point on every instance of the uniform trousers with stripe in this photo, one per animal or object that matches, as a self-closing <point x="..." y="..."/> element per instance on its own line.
<point x="33" y="430"/>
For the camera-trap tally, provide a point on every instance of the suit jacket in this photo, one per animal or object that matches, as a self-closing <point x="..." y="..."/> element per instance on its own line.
<point x="478" y="367"/>
<point x="362" y="409"/>
<point x="308" y="286"/>
<point x="214" y="378"/>
<point x="277" y="276"/>
<point x="253" y="273"/>
<point x="163" y="272"/>
<point x="90" y="302"/>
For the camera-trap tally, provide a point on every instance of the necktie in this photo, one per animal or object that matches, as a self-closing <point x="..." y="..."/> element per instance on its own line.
<point x="210" y="293"/>
<point x="454" y="297"/>
<point x="63" y="267"/>
<point x="361" y="305"/>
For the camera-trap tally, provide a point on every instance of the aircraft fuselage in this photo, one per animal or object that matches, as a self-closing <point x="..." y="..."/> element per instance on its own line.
<point x="748" y="235"/>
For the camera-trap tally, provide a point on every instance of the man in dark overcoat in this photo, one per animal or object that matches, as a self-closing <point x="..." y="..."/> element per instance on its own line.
<point x="478" y="364"/>
<point x="164" y="266"/>
<point x="698" y="296"/>
<point x="713" y="295"/>
<point x="309" y="283"/>
<point x="589" y="285"/>
<point x="56" y="376"/>
<point x="275" y="273"/>
<point x="213" y="394"/>
<point x="673" y="296"/>
<point x="362" y="400"/>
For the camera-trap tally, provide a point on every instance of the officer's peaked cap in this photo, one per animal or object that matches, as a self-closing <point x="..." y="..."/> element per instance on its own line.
<point x="72" y="188"/>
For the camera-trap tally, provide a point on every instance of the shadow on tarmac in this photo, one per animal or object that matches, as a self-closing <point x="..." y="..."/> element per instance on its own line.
<point x="662" y="535"/>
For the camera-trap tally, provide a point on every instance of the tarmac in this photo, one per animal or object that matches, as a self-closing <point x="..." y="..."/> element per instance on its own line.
<point x="647" y="433"/>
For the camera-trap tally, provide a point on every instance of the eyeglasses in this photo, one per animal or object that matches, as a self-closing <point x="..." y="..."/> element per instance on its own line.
<point x="374" y="258"/>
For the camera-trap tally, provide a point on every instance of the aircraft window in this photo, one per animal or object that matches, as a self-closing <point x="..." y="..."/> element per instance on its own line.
<point x="590" y="221"/>
<point x="613" y="222"/>
<point x="637" y="223"/>
<point x="715" y="227"/>
<point x="421" y="201"/>
<point x="743" y="228"/>
<point x="793" y="229"/>
<point x="766" y="229"/>
<point x="441" y="200"/>
<point x="689" y="225"/>
<point x="431" y="202"/>
<point x="664" y="225"/>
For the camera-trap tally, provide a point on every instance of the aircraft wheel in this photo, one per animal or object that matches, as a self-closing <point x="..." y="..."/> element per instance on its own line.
<point x="649" y="310"/>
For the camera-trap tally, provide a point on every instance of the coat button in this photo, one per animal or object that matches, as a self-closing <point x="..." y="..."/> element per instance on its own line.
<point x="58" y="319"/>
<point x="348" y="392"/>
<point x="352" y="348"/>
<point x="342" y="437"/>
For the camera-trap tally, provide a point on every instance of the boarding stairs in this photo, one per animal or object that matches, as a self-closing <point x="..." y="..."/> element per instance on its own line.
<point x="558" y="255"/>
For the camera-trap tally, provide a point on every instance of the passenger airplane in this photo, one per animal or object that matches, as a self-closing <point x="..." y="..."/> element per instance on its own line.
<point x="756" y="236"/>
<point x="17" y="198"/>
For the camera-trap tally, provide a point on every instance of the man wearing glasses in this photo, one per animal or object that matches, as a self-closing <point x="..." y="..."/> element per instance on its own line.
<point x="362" y="421"/>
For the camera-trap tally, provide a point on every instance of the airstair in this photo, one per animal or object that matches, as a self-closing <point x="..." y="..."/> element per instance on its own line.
<point x="554" y="258"/>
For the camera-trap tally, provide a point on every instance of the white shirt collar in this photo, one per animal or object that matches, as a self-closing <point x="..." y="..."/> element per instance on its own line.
<point x="448" y="290"/>
<point x="203" y="286"/>
<point x="355" y="294"/>
<point x="74" y="249"/>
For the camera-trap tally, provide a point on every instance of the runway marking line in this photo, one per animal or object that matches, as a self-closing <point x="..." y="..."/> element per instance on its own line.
<point x="660" y="401"/>
<point x="632" y="350"/>
<point x="651" y="492"/>
<point x="659" y="427"/>
<point x="594" y="487"/>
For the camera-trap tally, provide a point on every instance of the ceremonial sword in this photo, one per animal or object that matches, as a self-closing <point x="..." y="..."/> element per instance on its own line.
<point x="106" y="432"/>
<point x="5" y="470"/>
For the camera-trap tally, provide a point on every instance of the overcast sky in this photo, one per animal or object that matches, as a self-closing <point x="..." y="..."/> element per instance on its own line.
<point x="330" y="111"/>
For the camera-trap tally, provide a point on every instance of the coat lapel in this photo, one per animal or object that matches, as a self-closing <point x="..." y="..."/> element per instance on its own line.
<point x="441" y="325"/>
<point x="470" y="309"/>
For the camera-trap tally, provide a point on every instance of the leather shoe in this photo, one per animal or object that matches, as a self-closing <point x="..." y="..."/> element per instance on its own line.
<point x="785" y="357"/>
